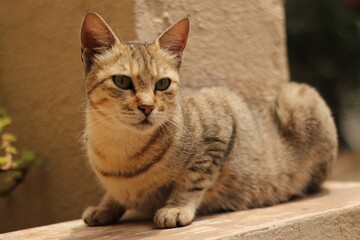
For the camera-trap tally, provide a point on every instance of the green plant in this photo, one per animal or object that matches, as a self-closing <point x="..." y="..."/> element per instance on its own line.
<point x="13" y="166"/>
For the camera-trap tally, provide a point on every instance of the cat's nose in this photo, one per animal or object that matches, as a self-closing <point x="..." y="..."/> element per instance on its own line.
<point x="146" y="109"/>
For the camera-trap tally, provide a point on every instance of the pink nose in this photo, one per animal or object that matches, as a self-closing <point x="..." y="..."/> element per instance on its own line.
<point x="146" y="109"/>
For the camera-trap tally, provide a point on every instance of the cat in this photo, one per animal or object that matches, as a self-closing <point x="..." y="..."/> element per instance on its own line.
<point x="175" y="152"/>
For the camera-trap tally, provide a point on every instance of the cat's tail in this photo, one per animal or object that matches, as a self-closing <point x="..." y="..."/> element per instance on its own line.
<point x="308" y="129"/>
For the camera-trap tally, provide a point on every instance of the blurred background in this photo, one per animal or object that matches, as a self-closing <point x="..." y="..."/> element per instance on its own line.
<point x="323" y="44"/>
<point x="42" y="88"/>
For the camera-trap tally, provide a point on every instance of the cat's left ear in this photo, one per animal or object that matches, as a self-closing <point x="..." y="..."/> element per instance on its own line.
<point x="175" y="37"/>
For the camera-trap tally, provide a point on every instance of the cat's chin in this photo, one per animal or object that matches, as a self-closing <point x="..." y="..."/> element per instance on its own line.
<point x="143" y="126"/>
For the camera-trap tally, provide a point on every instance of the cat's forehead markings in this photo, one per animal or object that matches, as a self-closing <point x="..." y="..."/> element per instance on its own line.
<point x="142" y="63"/>
<point x="114" y="69"/>
<point x="134" y="68"/>
<point x="135" y="64"/>
<point x="155" y="69"/>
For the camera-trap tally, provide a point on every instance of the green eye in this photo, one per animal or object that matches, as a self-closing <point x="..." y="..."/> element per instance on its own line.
<point x="162" y="84"/>
<point x="123" y="82"/>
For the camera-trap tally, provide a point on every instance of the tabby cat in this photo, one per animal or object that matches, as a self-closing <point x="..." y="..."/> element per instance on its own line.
<point x="175" y="153"/>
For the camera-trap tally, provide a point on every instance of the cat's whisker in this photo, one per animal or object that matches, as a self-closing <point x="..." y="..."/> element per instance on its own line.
<point x="128" y="113"/>
<point x="101" y="119"/>
<point x="83" y="105"/>
<point x="177" y="123"/>
<point x="97" y="110"/>
<point x="94" y="123"/>
<point x="84" y="100"/>
<point x="99" y="125"/>
<point x="80" y="135"/>
<point x="162" y="128"/>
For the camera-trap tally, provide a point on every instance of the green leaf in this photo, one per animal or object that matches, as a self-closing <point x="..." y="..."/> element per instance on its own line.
<point x="4" y="121"/>
<point x="9" y="137"/>
<point x="15" y="165"/>
<point x="3" y="160"/>
<point x="28" y="156"/>
<point x="10" y="149"/>
<point x="3" y="112"/>
<point x="28" y="159"/>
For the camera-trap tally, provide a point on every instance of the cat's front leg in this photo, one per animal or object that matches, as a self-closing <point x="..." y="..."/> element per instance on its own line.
<point x="180" y="209"/>
<point x="187" y="194"/>
<point x="107" y="212"/>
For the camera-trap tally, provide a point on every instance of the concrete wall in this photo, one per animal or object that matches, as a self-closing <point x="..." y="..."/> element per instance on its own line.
<point x="232" y="40"/>
<point x="41" y="82"/>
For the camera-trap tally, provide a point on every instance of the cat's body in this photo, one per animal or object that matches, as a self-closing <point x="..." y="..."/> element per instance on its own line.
<point x="177" y="153"/>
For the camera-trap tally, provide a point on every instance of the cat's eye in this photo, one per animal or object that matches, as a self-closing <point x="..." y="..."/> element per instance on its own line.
<point x="162" y="84"/>
<point x="123" y="82"/>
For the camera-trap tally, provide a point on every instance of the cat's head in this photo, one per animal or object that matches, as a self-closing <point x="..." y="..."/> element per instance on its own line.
<point x="133" y="84"/>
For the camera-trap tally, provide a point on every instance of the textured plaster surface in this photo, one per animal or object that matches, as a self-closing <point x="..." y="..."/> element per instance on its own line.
<point x="229" y="40"/>
<point x="333" y="213"/>
<point x="42" y="87"/>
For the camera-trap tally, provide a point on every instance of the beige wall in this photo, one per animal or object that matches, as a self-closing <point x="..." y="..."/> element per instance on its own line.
<point x="41" y="86"/>
<point x="229" y="40"/>
<point x="41" y="81"/>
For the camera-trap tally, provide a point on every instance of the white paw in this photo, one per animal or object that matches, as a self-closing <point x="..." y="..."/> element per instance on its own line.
<point x="99" y="216"/>
<point x="173" y="217"/>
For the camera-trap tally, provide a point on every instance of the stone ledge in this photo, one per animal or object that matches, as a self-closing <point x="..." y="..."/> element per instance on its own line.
<point x="332" y="214"/>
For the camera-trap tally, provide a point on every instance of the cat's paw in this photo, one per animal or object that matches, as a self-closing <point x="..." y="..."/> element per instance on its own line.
<point x="100" y="216"/>
<point x="169" y="217"/>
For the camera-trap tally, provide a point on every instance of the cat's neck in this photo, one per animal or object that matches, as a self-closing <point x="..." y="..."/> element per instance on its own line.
<point x="116" y="141"/>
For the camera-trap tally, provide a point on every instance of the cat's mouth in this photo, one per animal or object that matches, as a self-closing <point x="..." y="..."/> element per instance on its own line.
<point x="145" y="122"/>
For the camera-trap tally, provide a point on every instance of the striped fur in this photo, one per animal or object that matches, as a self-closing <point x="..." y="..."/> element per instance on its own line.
<point x="199" y="151"/>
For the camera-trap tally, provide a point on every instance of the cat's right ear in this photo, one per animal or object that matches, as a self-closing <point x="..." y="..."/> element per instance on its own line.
<point x="96" y="37"/>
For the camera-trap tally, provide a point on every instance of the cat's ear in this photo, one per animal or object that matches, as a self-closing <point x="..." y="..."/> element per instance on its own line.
<point x="96" y="37"/>
<point x="175" y="37"/>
